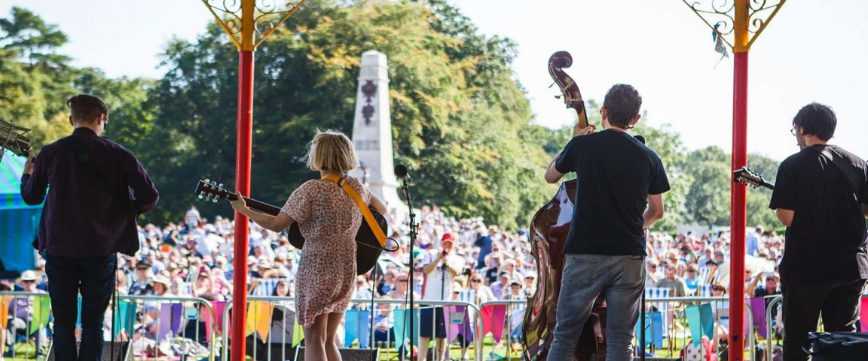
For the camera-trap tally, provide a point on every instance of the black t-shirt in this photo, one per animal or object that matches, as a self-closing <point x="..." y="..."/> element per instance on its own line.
<point x="615" y="173"/>
<point x="827" y="238"/>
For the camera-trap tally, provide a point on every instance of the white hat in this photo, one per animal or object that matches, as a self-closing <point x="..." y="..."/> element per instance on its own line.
<point x="28" y="276"/>
<point x="163" y="280"/>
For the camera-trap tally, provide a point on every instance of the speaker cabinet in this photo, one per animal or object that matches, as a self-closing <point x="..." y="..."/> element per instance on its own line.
<point x="348" y="354"/>
<point x="122" y="351"/>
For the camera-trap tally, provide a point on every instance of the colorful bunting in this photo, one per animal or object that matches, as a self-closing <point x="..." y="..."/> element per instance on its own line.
<point x="653" y="329"/>
<point x="4" y="312"/>
<point x="493" y="317"/>
<point x="402" y="324"/>
<point x="459" y="324"/>
<point x="41" y="312"/>
<point x="357" y="326"/>
<point x="259" y="318"/>
<point x="700" y="319"/>
<point x="125" y="318"/>
<point x="863" y="315"/>
<point x="297" y="332"/>
<point x="758" y="308"/>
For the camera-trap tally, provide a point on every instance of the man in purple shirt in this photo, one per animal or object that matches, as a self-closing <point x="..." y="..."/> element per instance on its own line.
<point x="97" y="191"/>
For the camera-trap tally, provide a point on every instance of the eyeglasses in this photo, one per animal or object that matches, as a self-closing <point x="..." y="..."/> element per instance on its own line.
<point x="793" y="131"/>
<point x="475" y="281"/>
<point x="718" y="289"/>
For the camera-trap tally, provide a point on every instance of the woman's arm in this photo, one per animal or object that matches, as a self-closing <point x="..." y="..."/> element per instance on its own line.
<point x="271" y="223"/>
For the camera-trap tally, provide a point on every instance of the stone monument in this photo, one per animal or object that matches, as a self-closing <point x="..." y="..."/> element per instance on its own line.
<point x="372" y="133"/>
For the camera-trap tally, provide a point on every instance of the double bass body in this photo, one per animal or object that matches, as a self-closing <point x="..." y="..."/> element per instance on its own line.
<point x="548" y="233"/>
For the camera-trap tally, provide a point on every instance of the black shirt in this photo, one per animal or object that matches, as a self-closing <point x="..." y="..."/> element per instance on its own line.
<point x="827" y="238"/>
<point x="80" y="217"/>
<point x="615" y="173"/>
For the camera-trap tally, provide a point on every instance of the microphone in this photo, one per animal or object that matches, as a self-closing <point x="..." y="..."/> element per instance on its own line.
<point x="401" y="171"/>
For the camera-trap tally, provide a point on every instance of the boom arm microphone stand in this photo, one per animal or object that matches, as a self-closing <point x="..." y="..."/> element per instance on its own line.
<point x="401" y="172"/>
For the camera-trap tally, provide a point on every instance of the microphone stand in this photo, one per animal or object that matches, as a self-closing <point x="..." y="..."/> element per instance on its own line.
<point x="406" y="188"/>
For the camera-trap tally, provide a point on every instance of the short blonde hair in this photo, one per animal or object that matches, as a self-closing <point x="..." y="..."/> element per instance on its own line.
<point x="333" y="151"/>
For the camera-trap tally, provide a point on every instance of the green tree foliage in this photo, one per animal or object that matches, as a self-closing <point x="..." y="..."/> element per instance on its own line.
<point x="35" y="82"/>
<point x="460" y="120"/>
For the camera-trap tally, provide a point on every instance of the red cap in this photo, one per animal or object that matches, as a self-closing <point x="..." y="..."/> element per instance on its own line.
<point x="448" y="237"/>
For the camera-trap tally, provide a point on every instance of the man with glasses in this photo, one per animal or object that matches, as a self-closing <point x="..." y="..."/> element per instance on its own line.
<point x="821" y="195"/>
<point x="98" y="190"/>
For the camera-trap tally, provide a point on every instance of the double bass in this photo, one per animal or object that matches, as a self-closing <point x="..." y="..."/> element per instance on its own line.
<point x="548" y="234"/>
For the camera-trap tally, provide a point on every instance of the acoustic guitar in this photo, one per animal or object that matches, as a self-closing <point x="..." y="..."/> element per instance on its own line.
<point x="367" y="252"/>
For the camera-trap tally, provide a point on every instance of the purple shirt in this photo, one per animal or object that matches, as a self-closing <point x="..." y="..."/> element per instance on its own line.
<point x="80" y="218"/>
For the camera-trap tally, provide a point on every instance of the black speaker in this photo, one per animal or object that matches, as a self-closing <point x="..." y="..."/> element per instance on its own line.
<point x="348" y="354"/>
<point x="122" y="351"/>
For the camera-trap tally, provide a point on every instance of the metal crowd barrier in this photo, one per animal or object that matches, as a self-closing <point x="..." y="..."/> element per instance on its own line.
<point x="188" y="316"/>
<point x="147" y="302"/>
<point x="698" y="300"/>
<point x="17" y="326"/>
<point x="480" y="344"/>
<point x="288" y="304"/>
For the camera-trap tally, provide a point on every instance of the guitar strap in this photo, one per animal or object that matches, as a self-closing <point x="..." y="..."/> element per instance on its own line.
<point x="369" y="217"/>
<point x="846" y="168"/>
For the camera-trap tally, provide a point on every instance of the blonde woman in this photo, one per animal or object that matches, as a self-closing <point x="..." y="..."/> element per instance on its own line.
<point x="329" y="219"/>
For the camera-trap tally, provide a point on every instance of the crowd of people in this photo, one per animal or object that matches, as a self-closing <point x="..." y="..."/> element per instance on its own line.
<point x="195" y="257"/>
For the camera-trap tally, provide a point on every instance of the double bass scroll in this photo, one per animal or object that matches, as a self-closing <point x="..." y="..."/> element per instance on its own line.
<point x="568" y="87"/>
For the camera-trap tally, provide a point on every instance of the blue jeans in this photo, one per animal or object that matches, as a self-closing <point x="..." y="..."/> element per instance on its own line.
<point x="620" y="281"/>
<point x="94" y="277"/>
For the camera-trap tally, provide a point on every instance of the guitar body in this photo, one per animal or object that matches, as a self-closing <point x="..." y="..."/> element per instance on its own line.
<point x="367" y="251"/>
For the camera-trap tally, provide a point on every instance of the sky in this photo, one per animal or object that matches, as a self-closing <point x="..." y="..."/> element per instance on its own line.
<point x="811" y="51"/>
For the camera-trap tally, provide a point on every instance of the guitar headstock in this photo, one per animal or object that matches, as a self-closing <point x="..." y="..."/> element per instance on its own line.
<point x="212" y="191"/>
<point x="748" y="177"/>
<point x="12" y="138"/>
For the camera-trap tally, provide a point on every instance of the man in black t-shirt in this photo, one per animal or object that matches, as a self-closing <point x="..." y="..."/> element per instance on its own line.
<point x="619" y="190"/>
<point x="821" y="196"/>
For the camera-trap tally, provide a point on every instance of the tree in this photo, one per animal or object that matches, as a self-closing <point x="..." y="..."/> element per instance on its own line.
<point x="460" y="120"/>
<point x="707" y="199"/>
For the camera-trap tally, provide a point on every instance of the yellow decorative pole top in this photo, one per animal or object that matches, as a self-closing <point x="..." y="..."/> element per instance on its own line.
<point x="249" y="22"/>
<point x="737" y="22"/>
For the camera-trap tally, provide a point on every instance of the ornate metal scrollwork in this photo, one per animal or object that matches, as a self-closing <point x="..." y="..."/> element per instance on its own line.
<point x="719" y="15"/>
<point x="267" y="16"/>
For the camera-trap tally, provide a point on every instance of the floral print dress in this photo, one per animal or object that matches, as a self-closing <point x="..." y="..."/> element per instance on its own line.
<point x="329" y="219"/>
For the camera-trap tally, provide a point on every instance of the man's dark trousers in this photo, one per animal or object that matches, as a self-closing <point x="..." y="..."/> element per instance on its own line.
<point x="838" y="302"/>
<point x="94" y="277"/>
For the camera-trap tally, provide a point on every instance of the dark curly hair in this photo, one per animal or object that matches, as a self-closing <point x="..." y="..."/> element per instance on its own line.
<point x="622" y="105"/>
<point x="816" y="119"/>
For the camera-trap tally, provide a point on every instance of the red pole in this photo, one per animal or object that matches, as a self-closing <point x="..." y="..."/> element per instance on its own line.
<point x="738" y="213"/>
<point x="242" y="186"/>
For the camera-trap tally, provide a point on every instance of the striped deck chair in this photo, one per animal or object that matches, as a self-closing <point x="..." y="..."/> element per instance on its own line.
<point x="705" y="291"/>
<point x="469" y="296"/>
<point x="265" y="287"/>
<point x="705" y="275"/>
<point x="662" y="307"/>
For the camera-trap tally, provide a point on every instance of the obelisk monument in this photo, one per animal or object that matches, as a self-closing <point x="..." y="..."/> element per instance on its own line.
<point x="372" y="133"/>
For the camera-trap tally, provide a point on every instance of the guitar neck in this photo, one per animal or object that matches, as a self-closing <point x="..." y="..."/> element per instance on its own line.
<point x="768" y="185"/>
<point x="258" y="206"/>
